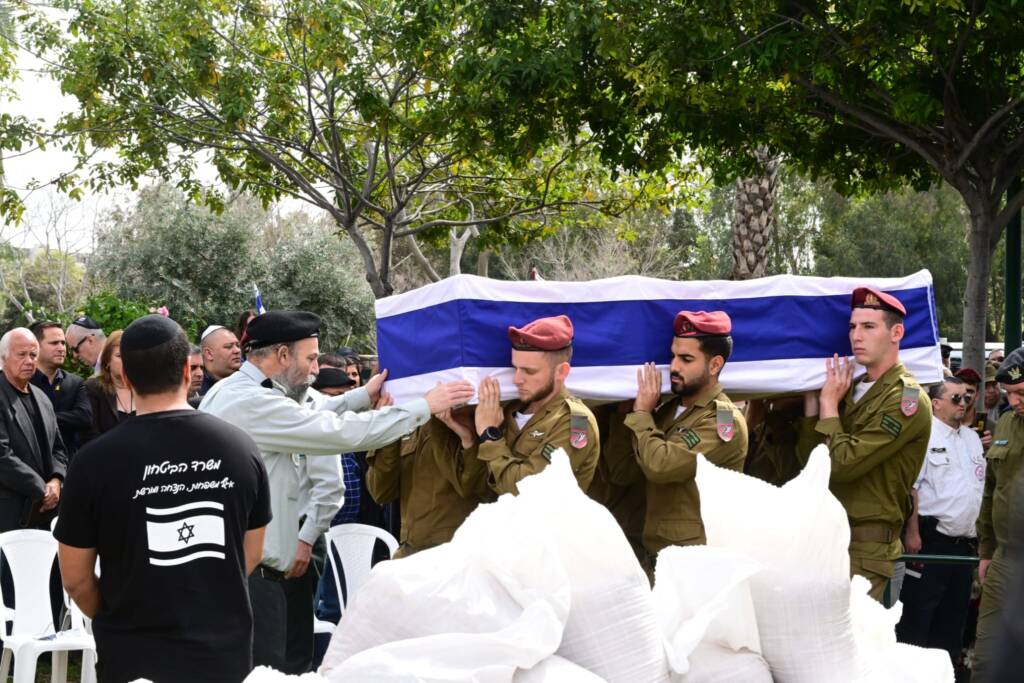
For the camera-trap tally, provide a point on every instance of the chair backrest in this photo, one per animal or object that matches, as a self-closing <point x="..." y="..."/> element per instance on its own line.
<point x="30" y="554"/>
<point x="354" y="544"/>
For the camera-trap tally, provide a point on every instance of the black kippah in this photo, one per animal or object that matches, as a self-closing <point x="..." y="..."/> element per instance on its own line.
<point x="149" y="331"/>
<point x="86" y="322"/>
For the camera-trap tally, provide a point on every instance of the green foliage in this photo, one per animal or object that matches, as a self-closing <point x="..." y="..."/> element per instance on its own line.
<point x="326" y="101"/>
<point x="166" y="251"/>
<point x="112" y="312"/>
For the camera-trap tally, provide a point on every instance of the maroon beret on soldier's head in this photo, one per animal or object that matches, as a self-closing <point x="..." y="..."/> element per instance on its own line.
<point x="544" y="334"/>
<point x="702" y="324"/>
<point x="968" y="375"/>
<point x="869" y="297"/>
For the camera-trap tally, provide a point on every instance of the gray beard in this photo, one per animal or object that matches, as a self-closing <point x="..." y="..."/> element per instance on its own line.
<point x="294" y="391"/>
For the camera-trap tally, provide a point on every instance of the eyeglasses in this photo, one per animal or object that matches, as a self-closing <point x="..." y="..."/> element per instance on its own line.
<point x="76" y="347"/>
<point x="958" y="398"/>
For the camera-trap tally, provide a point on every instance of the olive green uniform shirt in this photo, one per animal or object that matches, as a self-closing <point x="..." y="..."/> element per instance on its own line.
<point x="436" y="488"/>
<point x="773" y="444"/>
<point x="563" y="422"/>
<point x="1004" y="460"/>
<point x="663" y="452"/>
<point x="877" y="450"/>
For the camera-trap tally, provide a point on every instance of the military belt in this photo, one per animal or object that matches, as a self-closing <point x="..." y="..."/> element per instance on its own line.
<point x="269" y="573"/>
<point x="873" y="533"/>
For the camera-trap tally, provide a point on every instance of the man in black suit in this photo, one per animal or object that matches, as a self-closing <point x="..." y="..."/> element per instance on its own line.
<point x="32" y="457"/>
<point x="65" y="390"/>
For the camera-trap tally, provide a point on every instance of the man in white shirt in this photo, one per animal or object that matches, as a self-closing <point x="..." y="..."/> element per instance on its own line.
<point x="947" y="499"/>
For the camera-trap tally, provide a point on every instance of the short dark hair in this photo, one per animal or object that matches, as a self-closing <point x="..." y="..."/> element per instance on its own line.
<point x="158" y="369"/>
<point x="334" y="360"/>
<point x="39" y="328"/>
<point x="716" y="346"/>
<point x="891" y="318"/>
<point x="561" y="355"/>
<point x="193" y="349"/>
<point x="939" y="390"/>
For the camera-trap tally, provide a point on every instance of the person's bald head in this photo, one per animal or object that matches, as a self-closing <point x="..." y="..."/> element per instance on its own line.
<point x="222" y="356"/>
<point x="19" y="353"/>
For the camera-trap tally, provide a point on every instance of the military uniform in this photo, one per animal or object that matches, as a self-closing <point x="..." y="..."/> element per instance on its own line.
<point x="877" y="446"/>
<point x="999" y="528"/>
<point x="627" y="503"/>
<point x="436" y="488"/>
<point x="563" y="422"/>
<point x="771" y="453"/>
<point x="664" y="452"/>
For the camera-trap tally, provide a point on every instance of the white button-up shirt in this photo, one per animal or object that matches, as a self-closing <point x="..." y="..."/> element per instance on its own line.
<point x="282" y="429"/>
<point x="952" y="479"/>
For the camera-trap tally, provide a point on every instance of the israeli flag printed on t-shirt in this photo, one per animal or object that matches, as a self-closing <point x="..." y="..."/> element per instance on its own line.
<point x="184" y="533"/>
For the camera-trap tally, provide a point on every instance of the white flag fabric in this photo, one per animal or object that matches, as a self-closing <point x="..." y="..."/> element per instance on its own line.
<point x="184" y="533"/>
<point x="783" y="328"/>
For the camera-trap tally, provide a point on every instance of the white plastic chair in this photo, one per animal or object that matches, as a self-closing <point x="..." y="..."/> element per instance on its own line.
<point x="30" y="555"/>
<point x="354" y="544"/>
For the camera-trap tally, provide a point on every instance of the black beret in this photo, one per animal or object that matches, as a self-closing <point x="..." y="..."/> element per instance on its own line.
<point x="332" y="377"/>
<point x="149" y="331"/>
<point x="1011" y="371"/>
<point x="281" y="327"/>
<point x="86" y="322"/>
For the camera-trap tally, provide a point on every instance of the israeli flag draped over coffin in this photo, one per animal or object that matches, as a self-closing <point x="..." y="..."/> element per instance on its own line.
<point x="783" y="329"/>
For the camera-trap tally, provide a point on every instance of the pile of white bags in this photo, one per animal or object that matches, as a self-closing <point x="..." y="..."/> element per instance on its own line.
<point x="544" y="573"/>
<point x="544" y="588"/>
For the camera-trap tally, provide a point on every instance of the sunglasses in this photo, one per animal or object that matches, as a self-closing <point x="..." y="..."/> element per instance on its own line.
<point x="76" y="347"/>
<point x="958" y="398"/>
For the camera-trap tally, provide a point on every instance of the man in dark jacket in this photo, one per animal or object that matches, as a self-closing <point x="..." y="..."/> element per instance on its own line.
<point x="65" y="390"/>
<point x="32" y="457"/>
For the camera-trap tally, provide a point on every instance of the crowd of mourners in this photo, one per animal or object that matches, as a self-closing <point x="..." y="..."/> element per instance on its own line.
<point x="190" y="485"/>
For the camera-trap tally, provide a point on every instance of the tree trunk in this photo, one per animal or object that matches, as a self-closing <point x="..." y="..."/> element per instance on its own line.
<point x="754" y="219"/>
<point x="483" y="263"/>
<point x="981" y="240"/>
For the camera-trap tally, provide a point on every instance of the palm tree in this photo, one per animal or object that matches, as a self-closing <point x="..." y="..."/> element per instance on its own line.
<point x="754" y="219"/>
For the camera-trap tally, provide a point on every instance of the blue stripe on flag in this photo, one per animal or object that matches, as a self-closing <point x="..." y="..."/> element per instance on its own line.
<point x="473" y="332"/>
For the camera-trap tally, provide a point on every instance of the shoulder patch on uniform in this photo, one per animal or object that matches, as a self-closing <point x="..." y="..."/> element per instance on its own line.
<point x="689" y="437"/>
<point x="909" y="402"/>
<point x="891" y="425"/>
<point x="726" y="426"/>
<point x="547" y="451"/>
<point x="579" y="431"/>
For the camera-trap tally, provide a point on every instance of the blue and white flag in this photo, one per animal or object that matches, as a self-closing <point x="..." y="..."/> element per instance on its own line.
<point x="783" y="329"/>
<point x="260" y="310"/>
<point x="184" y="533"/>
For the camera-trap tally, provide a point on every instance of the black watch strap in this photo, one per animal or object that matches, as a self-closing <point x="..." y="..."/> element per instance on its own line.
<point x="491" y="434"/>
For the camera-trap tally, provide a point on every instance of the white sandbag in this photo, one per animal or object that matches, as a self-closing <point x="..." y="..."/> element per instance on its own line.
<point x="701" y="594"/>
<point x="713" y="664"/>
<point x="555" y="669"/>
<point x="874" y="627"/>
<point x="789" y="529"/>
<point x="612" y="630"/>
<point x="493" y="600"/>
<point x="806" y="629"/>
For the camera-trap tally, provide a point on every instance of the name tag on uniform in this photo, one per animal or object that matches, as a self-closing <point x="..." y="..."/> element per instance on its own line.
<point x="938" y="450"/>
<point x="1000" y="442"/>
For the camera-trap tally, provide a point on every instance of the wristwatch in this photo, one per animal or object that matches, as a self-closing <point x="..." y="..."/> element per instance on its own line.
<point x="491" y="434"/>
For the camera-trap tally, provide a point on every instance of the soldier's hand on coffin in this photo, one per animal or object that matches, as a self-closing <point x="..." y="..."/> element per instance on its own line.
<point x="384" y="401"/>
<point x="838" y="377"/>
<point x="447" y="395"/>
<point x="648" y="388"/>
<point x="374" y="384"/>
<point x="488" y="409"/>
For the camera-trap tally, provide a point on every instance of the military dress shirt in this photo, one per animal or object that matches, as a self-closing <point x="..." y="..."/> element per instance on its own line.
<point x="1005" y="457"/>
<point x="282" y="428"/>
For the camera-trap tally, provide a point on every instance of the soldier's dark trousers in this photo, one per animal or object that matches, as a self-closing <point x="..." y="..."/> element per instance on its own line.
<point x="935" y="596"/>
<point x="994" y="593"/>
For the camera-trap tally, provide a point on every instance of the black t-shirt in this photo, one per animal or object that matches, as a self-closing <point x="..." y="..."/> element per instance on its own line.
<point x="166" y="499"/>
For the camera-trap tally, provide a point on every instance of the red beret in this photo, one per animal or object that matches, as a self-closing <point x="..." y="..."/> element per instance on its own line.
<point x="968" y="375"/>
<point x="701" y="324"/>
<point x="545" y="334"/>
<point x="869" y="297"/>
